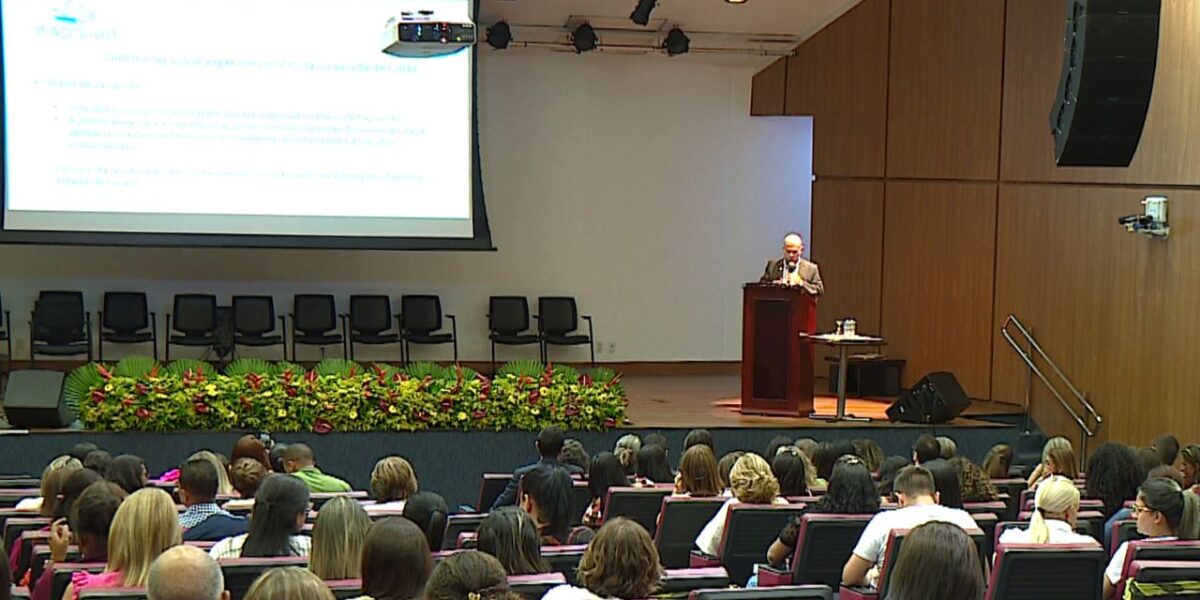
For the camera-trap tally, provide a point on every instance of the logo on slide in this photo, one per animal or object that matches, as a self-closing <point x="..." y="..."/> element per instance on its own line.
<point x="72" y="12"/>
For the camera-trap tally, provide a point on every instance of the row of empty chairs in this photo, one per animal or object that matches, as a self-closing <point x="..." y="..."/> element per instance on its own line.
<point x="60" y="325"/>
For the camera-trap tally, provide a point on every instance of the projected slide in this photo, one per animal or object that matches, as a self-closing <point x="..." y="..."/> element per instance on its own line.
<point x="259" y="117"/>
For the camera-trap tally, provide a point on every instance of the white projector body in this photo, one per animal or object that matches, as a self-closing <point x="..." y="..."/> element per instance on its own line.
<point x="422" y="34"/>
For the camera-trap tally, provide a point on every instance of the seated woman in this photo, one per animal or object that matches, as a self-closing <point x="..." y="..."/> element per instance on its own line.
<point x="245" y="475"/>
<point x="546" y="495"/>
<point x="752" y="483"/>
<point x="469" y="575"/>
<point x="1058" y="458"/>
<point x="251" y="446"/>
<point x="626" y="451"/>
<point x="396" y="561"/>
<point x="604" y="471"/>
<point x="90" y="522"/>
<point x="789" y="469"/>
<point x="293" y="583"/>
<point x="429" y="512"/>
<point x="143" y="527"/>
<point x="280" y="508"/>
<point x="129" y="472"/>
<point x="621" y="562"/>
<point x="392" y="482"/>
<point x="510" y="535"/>
<point x="652" y="467"/>
<point x="1055" y="506"/>
<point x="36" y="505"/>
<point x="337" y="539"/>
<point x="938" y="561"/>
<point x="998" y="461"/>
<point x="851" y="492"/>
<point x="973" y="482"/>
<point x="1189" y="465"/>
<point x="698" y="476"/>
<point x="1164" y="511"/>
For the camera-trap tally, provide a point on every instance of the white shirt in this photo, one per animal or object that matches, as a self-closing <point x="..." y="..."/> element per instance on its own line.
<point x="710" y="537"/>
<point x="873" y="542"/>
<point x="29" y="504"/>
<point x="1060" y="533"/>
<point x="393" y="506"/>
<point x="1113" y="572"/>
<point x="569" y="592"/>
<point x="231" y="547"/>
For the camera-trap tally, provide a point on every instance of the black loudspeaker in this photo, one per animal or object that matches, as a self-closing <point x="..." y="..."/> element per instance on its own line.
<point x="1109" y="56"/>
<point x="34" y="398"/>
<point x="937" y="398"/>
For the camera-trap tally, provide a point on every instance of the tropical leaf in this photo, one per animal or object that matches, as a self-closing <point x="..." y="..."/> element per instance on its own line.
<point x="566" y="372"/>
<point x="244" y="366"/>
<point x="79" y="384"/>
<point x="183" y="365"/>
<point x="340" y="367"/>
<point x="610" y="378"/>
<point x="518" y="368"/>
<point x="389" y="371"/>
<point x="136" y="367"/>
<point x="467" y="372"/>
<point x="283" y="366"/>
<point x="421" y="370"/>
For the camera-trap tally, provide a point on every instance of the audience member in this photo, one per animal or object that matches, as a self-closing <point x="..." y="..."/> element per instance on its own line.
<point x="1058" y="458"/>
<point x="945" y="481"/>
<point x="1113" y="477"/>
<point x="74" y="485"/>
<point x="292" y="583"/>
<point x="245" y="475"/>
<point x="396" y="560"/>
<point x="90" y="522"/>
<point x="788" y="469"/>
<point x="35" y="504"/>
<point x="82" y="450"/>
<point x="1056" y="505"/>
<point x="1146" y="459"/>
<point x="129" y="472"/>
<point x="842" y="447"/>
<point x="549" y="443"/>
<point x="998" y="461"/>
<point x="429" y="512"/>
<point x="1164" y="512"/>
<point x="868" y="450"/>
<point x="698" y="476"/>
<point x="918" y="499"/>
<point x="938" y="561"/>
<point x="52" y="489"/>
<point x="469" y="575"/>
<point x="276" y="457"/>
<point x="947" y="448"/>
<point x="725" y="465"/>
<point x="337" y="539"/>
<point x="851" y="492"/>
<point x="203" y="520"/>
<point x="1189" y="465"/>
<point x="657" y="439"/>
<point x="144" y="526"/>
<point x="224" y="488"/>
<point x="251" y="446"/>
<point x="823" y="459"/>
<point x="510" y="535"/>
<point x="811" y="481"/>
<point x="652" y="466"/>
<point x="546" y="495"/>
<point x="621" y="562"/>
<point x="626" y="450"/>
<point x="604" y="472"/>
<point x="573" y="453"/>
<point x="973" y="482"/>
<point x="887" y="474"/>
<point x="699" y="437"/>
<point x="1126" y="512"/>
<point x="925" y="449"/>
<point x="392" y="483"/>
<point x="774" y="445"/>
<point x="807" y="446"/>
<point x="280" y="507"/>
<point x="1167" y="448"/>
<point x="98" y="461"/>
<point x="298" y="460"/>
<point x="185" y="573"/>
<point x="752" y="482"/>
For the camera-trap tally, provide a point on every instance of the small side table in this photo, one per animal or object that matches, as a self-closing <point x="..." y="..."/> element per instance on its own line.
<point x="843" y="343"/>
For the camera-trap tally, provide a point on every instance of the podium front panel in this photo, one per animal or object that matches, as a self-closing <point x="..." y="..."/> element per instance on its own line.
<point x="777" y="363"/>
<point x="771" y="339"/>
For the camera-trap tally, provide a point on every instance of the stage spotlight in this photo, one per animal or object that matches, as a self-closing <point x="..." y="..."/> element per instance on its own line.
<point x="677" y="42"/>
<point x="499" y="35"/>
<point x="584" y="38"/>
<point x="641" y="14"/>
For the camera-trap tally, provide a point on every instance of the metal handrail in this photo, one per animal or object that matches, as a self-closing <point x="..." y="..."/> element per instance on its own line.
<point x="1087" y="429"/>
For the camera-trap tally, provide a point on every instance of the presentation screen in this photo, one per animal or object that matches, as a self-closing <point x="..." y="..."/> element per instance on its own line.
<point x="271" y="123"/>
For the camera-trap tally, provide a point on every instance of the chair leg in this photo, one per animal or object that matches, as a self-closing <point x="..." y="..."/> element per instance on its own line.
<point x="168" y="349"/>
<point x="592" y="347"/>
<point x="351" y="345"/>
<point x="493" y="358"/>
<point x="100" y="348"/>
<point x="456" y="350"/>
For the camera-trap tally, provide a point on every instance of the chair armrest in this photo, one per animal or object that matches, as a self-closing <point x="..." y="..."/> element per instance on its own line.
<point x="453" y="325"/>
<point x="857" y="592"/>
<point x="169" y="327"/>
<point x="769" y="576"/>
<point x="700" y="560"/>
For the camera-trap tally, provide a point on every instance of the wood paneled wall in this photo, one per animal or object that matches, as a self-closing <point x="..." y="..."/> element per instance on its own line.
<point x="767" y="90"/>
<point x="974" y="221"/>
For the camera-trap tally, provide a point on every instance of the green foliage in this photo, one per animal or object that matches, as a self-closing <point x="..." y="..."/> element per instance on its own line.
<point x="78" y="386"/>
<point x="134" y="366"/>
<point x="340" y="367"/>
<point x="464" y="372"/>
<point x="244" y="366"/>
<point x="181" y="366"/>
<point x="527" y="368"/>
<point x="564" y="372"/>
<point x="281" y="367"/>
<point x="432" y="370"/>
<point x="611" y="379"/>
<point x="386" y="369"/>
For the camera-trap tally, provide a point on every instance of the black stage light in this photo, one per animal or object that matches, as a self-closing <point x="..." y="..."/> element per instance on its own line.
<point x="641" y="14"/>
<point x="677" y="42"/>
<point x="584" y="38"/>
<point x="499" y="35"/>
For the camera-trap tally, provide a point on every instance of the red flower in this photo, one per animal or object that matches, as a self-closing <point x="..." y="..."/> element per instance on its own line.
<point x="310" y="376"/>
<point x="423" y="416"/>
<point x="572" y="410"/>
<point x="290" y="391"/>
<point x="610" y="422"/>
<point x="479" y="414"/>
<point x="534" y="396"/>
<point x="104" y="373"/>
<point x="322" y="426"/>
<point x="143" y="413"/>
<point x="245" y="403"/>
<point x="127" y="401"/>
<point x="142" y="389"/>
<point x="201" y="408"/>
<point x="447" y="405"/>
<point x="98" y="396"/>
<point x="585" y="380"/>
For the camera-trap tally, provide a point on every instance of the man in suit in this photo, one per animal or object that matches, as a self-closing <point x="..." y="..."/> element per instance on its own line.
<point x="794" y="270"/>
<point x="549" y="443"/>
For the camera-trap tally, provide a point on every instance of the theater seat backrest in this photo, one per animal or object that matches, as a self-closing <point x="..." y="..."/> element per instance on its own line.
<point x="240" y="573"/>
<point x="639" y="504"/>
<point x="786" y="592"/>
<point x="824" y="543"/>
<point x="680" y="521"/>
<point x="749" y="531"/>
<point x="1164" y="571"/>
<point x="1144" y="550"/>
<point x="1048" y="571"/>
<point x="677" y="581"/>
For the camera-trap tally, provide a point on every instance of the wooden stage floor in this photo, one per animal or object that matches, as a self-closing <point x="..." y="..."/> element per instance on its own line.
<point x="713" y="401"/>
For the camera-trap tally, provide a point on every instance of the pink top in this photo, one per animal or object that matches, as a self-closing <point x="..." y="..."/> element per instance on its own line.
<point x="82" y="579"/>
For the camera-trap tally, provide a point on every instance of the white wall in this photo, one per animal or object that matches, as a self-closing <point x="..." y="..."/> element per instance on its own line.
<point x="638" y="184"/>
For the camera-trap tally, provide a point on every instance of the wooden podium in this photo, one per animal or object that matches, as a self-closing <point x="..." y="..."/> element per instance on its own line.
<point x="777" y="364"/>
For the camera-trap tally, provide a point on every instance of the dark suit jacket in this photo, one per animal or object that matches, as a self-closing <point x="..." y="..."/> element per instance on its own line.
<point x="215" y="528"/>
<point x="808" y="272"/>
<point x="509" y="496"/>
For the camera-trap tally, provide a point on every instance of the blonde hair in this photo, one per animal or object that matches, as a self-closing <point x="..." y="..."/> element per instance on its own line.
<point x="293" y="583"/>
<point x="393" y="479"/>
<point x="810" y="472"/>
<point x="224" y="488"/>
<point x="626" y="451"/>
<point x="1056" y="495"/>
<point x="751" y="480"/>
<point x="145" y="525"/>
<point x="337" y="539"/>
<point x="1059" y="451"/>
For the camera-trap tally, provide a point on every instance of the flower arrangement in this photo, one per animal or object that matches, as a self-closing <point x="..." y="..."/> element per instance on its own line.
<point x="139" y="394"/>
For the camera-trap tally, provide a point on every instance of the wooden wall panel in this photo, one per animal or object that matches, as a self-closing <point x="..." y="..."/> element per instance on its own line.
<point x="839" y="76"/>
<point x="847" y="243"/>
<point x="944" y="89"/>
<point x="939" y="239"/>
<point x="1115" y="310"/>
<point x="767" y="90"/>
<point x="1169" y="152"/>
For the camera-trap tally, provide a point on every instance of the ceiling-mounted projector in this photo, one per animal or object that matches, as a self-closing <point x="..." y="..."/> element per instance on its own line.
<point x="421" y="34"/>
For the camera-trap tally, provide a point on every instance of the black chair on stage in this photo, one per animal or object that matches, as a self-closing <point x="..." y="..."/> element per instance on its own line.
<point x="558" y="319"/>
<point x="59" y="326"/>
<point x="508" y="323"/>
<point x="194" y="316"/>
<point x="420" y="319"/>
<point x="370" y="322"/>
<point x="315" y="322"/>
<point x="126" y="319"/>
<point x="6" y="336"/>
<point x="254" y="323"/>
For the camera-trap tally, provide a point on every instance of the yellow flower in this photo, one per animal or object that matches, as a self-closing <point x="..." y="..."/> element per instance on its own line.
<point x="282" y="413"/>
<point x="392" y="409"/>
<point x="462" y="416"/>
<point x="354" y="414"/>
